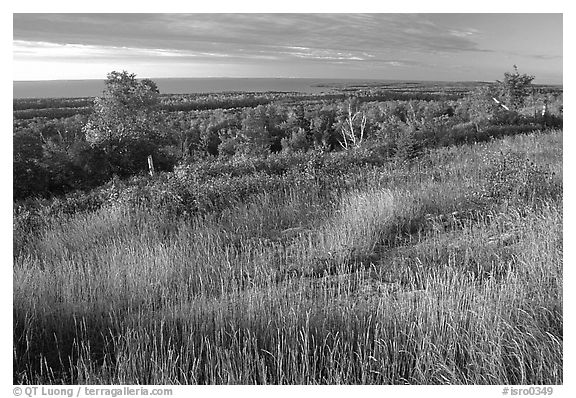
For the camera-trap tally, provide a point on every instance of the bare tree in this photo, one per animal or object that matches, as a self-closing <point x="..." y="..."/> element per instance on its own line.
<point x="352" y="134"/>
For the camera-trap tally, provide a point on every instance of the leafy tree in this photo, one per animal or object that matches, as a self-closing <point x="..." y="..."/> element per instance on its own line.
<point x="276" y="117"/>
<point x="29" y="174"/>
<point x="407" y="144"/>
<point x="217" y="124"/>
<point x="185" y="132"/>
<point x="254" y="136"/>
<point x="90" y="163"/>
<point x="296" y="120"/>
<point x="322" y="130"/>
<point x="479" y="107"/>
<point x="126" y="122"/>
<point x="515" y="88"/>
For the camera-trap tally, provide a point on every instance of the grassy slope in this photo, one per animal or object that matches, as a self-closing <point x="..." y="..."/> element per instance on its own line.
<point x="414" y="275"/>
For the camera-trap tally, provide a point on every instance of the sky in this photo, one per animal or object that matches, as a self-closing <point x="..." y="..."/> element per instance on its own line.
<point x="453" y="47"/>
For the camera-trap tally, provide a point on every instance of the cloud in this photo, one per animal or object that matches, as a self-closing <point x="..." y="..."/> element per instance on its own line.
<point x="242" y="33"/>
<point x="546" y="56"/>
<point x="298" y="44"/>
<point x="44" y="51"/>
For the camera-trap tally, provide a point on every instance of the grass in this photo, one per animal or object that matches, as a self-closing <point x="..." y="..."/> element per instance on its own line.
<point x="410" y="275"/>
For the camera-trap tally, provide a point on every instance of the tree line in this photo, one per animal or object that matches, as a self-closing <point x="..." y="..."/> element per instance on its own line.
<point x="130" y="121"/>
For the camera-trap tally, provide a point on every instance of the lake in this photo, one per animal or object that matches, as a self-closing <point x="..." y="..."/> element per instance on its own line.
<point x="91" y="88"/>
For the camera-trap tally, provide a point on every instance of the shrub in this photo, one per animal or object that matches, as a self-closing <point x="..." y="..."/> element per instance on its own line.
<point x="298" y="141"/>
<point x="515" y="177"/>
<point x="408" y="145"/>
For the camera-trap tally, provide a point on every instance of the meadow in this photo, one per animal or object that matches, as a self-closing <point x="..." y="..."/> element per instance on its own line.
<point x="445" y="268"/>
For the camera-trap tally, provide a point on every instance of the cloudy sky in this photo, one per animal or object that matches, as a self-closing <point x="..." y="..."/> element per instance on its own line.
<point x="364" y="46"/>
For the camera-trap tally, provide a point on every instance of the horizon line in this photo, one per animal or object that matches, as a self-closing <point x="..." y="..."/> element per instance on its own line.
<point x="259" y="77"/>
<point x="282" y="77"/>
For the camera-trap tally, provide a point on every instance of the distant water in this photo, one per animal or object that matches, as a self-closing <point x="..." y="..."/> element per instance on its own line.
<point x="91" y="88"/>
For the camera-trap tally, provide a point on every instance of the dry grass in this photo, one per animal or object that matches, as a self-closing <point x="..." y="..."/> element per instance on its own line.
<point x="382" y="285"/>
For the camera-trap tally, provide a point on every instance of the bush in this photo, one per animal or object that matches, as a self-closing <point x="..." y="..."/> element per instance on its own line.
<point x="408" y="146"/>
<point x="298" y="141"/>
<point x="515" y="177"/>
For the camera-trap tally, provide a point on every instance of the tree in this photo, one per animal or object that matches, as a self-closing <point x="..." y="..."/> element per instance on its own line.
<point x="254" y="138"/>
<point x="515" y="88"/>
<point x="29" y="174"/>
<point x="125" y="123"/>
<point x="353" y="126"/>
<point x="481" y="109"/>
<point x="322" y="131"/>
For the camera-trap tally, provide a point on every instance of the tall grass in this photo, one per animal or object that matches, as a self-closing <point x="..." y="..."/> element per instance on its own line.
<point x="405" y="276"/>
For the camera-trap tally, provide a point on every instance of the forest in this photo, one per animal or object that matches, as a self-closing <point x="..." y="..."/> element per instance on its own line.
<point x="394" y="233"/>
<point x="57" y="150"/>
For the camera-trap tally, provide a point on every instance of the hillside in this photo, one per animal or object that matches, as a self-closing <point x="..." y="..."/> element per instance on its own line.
<point x="406" y="233"/>
<point x="446" y="269"/>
